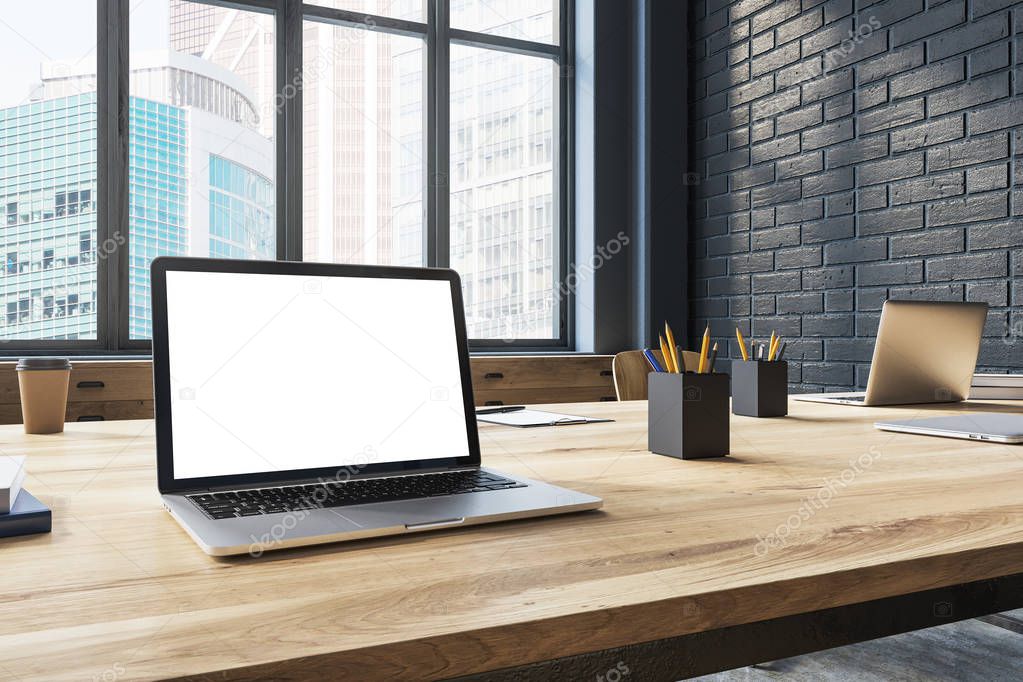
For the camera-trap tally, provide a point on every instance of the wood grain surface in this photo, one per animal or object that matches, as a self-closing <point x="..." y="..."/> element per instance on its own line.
<point x="810" y="511"/>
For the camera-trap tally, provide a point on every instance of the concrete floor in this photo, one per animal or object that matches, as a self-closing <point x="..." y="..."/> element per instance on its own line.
<point x="985" y="650"/>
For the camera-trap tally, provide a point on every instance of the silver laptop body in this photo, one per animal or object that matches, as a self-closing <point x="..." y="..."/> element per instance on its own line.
<point x="295" y="381"/>
<point x="994" y="427"/>
<point x="925" y="352"/>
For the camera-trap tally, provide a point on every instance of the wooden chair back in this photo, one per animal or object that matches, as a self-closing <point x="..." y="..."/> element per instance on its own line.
<point x="630" y="371"/>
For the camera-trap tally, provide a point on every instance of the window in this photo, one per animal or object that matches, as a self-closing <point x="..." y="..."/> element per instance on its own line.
<point x="398" y="132"/>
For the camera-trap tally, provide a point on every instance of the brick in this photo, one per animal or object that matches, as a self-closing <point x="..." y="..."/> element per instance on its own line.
<point x="775" y="59"/>
<point x="850" y="350"/>
<point x="836" y="9"/>
<point x="871" y="298"/>
<point x="791" y="76"/>
<point x="989" y="59"/>
<point x="850" y="51"/>
<point x="751" y="262"/>
<point x="778" y="12"/>
<point x="762" y="217"/>
<point x="807" y="302"/>
<point x="887" y="170"/>
<point x="968" y="37"/>
<point x="972" y="209"/>
<point x="934" y="131"/>
<point x="716" y="144"/>
<point x="736" y="32"/>
<point x="762" y="43"/>
<point x="738" y="222"/>
<point x="761" y="131"/>
<point x="931" y="186"/>
<point x="829" y="325"/>
<point x="995" y="294"/>
<point x="710" y="227"/>
<point x="822" y="88"/>
<point x="775" y="104"/>
<point x="786" y="326"/>
<point x="738" y="138"/>
<point x="1003" y="235"/>
<point x="709" y="307"/>
<point x="728" y="203"/>
<point x="727" y="162"/>
<point x="709" y="267"/>
<point x="997" y="116"/>
<point x="800" y="257"/>
<point x="870" y="96"/>
<point x="891" y="116"/>
<point x="840" y="374"/>
<point x="799" y="165"/>
<point x="856" y="151"/>
<point x="737" y="54"/>
<point x="729" y="286"/>
<point x="800" y="212"/>
<point x="856" y="250"/>
<point x="928" y="292"/>
<point x="764" y="85"/>
<point x="927" y="243"/>
<point x="707" y="187"/>
<point x="828" y="229"/>
<point x="987" y="178"/>
<point x="763" y="305"/>
<point x="867" y="324"/>
<point x="798" y="27"/>
<point x="889" y="64"/>
<point x="726" y="78"/>
<point x="971" y="94"/>
<point x="900" y="272"/>
<point x="839" y="301"/>
<point x="839" y="106"/>
<point x="887" y="13"/>
<point x="755" y="175"/>
<point x="787" y="190"/>
<point x="841" y="204"/>
<point x="734" y="243"/>
<point x="828" y="134"/>
<point x="837" y="277"/>
<point x="828" y="182"/>
<point x="974" y="150"/>
<point x="930" y="77"/>
<point x="799" y="119"/>
<point x="776" y="282"/>
<point x="937" y="20"/>
<point x="776" y="148"/>
<point x="739" y="305"/>
<point x="775" y="237"/>
<point x="828" y="37"/>
<point x="872" y="197"/>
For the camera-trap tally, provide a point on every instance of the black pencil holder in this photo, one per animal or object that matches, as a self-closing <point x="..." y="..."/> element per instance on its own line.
<point x="760" y="388"/>
<point x="688" y="415"/>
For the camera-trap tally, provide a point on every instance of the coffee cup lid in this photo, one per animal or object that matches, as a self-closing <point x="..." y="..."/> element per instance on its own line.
<point x="42" y="363"/>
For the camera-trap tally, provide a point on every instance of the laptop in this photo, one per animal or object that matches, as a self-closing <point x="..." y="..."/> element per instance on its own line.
<point x="925" y="352"/>
<point x="994" y="427"/>
<point x="303" y="403"/>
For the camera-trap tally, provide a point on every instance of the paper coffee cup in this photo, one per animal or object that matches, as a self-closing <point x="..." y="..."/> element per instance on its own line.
<point x="44" y="387"/>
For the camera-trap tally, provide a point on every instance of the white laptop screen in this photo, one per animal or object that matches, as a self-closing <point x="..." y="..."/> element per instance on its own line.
<point x="273" y="372"/>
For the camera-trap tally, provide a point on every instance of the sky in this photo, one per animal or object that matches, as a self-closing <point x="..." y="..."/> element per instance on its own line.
<point x="65" y="30"/>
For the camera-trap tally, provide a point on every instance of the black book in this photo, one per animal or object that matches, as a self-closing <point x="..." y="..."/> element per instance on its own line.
<point x="27" y="516"/>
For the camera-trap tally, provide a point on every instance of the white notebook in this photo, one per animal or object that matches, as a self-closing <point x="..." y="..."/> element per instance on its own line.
<point x="12" y="473"/>
<point x="526" y="418"/>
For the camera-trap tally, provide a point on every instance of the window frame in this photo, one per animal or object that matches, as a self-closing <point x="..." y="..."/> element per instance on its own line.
<point x="112" y="136"/>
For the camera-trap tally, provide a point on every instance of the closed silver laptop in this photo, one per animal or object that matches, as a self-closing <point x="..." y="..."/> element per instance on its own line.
<point x="301" y="403"/>
<point x="925" y="352"/>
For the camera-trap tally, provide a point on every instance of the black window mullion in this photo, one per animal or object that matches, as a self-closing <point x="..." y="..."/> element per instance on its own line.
<point x="437" y="234"/>
<point x="288" y="128"/>
<point x="112" y="174"/>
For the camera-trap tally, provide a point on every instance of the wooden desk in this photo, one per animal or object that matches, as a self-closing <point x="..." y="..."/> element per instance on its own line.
<point x="671" y="578"/>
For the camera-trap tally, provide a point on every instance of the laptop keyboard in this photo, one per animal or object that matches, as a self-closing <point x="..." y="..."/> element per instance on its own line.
<point x="238" y="503"/>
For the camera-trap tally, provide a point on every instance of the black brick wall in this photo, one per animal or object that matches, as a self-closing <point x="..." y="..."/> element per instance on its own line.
<point x="846" y="151"/>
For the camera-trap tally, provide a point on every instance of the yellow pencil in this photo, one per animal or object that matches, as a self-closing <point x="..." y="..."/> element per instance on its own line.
<point x="667" y="356"/>
<point x="770" y="345"/>
<point x="742" y="344"/>
<point x="704" y="349"/>
<point x="672" y="348"/>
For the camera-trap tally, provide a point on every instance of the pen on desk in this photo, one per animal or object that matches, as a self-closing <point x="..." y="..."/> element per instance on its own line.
<point x="742" y="344"/>
<point x="652" y="360"/>
<point x="500" y="410"/>
<point x="713" y="357"/>
<point x="760" y="352"/>
<point x="781" y="351"/>
<point x="704" y="349"/>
